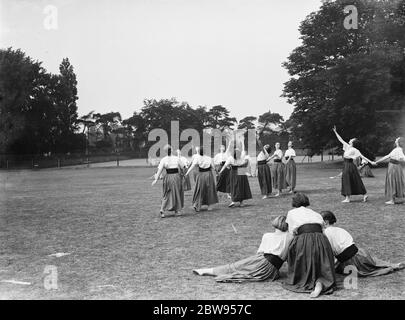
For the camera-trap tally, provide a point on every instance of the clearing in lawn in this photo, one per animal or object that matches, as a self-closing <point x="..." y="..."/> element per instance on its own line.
<point x="96" y="234"/>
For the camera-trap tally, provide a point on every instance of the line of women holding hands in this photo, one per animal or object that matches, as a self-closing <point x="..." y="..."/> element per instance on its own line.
<point x="231" y="166"/>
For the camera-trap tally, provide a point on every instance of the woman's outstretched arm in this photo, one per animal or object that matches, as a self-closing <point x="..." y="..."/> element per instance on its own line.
<point x="339" y="137"/>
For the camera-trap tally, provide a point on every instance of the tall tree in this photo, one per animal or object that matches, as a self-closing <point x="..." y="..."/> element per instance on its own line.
<point x="346" y="77"/>
<point x="247" y="123"/>
<point x="218" y="118"/>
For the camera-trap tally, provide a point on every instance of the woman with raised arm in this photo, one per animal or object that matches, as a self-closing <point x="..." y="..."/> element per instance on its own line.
<point x="184" y="165"/>
<point x="290" y="167"/>
<point x="351" y="180"/>
<point x="173" y="193"/>
<point x="224" y="178"/>
<point x="240" y="188"/>
<point x="395" y="179"/>
<point x="278" y="174"/>
<point x="310" y="257"/>
<point x="205" y="193"/>
<point x="349" y="255"/>
<point x="265" y="264"/>
<point x="263" y="169"/>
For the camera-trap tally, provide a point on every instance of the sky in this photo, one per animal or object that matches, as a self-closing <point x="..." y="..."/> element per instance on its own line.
<point x="204" y="52"/>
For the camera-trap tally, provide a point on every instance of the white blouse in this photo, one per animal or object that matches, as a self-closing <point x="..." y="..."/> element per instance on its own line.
<point x="290" y="153"/>
<point x="170" y="162"/>
<point x="339" y="239"/>
<point x="397" y="154"/>
<point x="350" y="152"/>
<point x="278" y="153"/>
<point x="300" y="216"/>
<point x="275" y="243"/>
<point x="261" y="156"/>
<point x="204" y="162"/>
<point x="220" y="157"/>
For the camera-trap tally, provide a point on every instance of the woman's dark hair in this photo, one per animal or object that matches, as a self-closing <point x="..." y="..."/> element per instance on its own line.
<point x="280" y="224"/>
<point x="169" y="151"/>
<point x="328" y="216"/>
<point x="201" y="151"/>
<point x="268" y="148"/>
<point x="300" y="200"/>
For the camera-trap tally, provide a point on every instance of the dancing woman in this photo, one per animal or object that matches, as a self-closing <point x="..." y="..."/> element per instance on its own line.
<point x="224" y="178"/>
<point x="265" y="264"/>
<point x="351" y="180"/>
<point x="173" y="193"/>
<point x="239" y="182"/>
<point x="278" y="174"/>
<point x="290" y="167"/>
<point x="348" y="254"/>
<point x="184" y="165"/>
<point x="263" y="170"/>
<point x="395" y="179"/>
<point x="205" y="193"/>
<point x="310" y="256"/>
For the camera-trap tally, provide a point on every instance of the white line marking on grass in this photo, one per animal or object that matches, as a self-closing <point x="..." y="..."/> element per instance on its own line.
<point x="59" y="254"/>
<point x="234" y="229"/>
<point x="106" y="286"/>
<point x="17" y="282"/>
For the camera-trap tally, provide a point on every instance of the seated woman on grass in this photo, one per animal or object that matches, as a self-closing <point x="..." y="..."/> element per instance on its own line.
<point x="265" y="264"/>
<point x="348" y="254"/>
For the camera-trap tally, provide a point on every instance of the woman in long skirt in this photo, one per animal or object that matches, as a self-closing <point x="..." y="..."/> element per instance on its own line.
<point x="265" y="264"/>
<point x="184" y="165"/>
<point x="223" y="179"/>
<point x="205" y="193"/>
<point x="263" y="170"/>
<point x="395" y="179"/>
<point x="240" y="188"/>
<point x="173" y="193"/>
<point x="351" y="180"/>
<point x="290" y="167"/>
<point x="278" y="172"/>
<point x="348" y="254"/>
<point x="310" y="257"/>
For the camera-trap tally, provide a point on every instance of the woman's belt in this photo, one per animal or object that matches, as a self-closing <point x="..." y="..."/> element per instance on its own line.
<point x="348" y="159"/>
<point x="277" y="160"/>
<point x="170" y="171"/>
<point x="274" y="260"/>
<point x="235" y="167"/>
<point x="309" y="228"/>
<point x="347" y="253"/>
<point x="261" y="162"/>
<point x="204" y="169"/>
<point x="393" y="161"/>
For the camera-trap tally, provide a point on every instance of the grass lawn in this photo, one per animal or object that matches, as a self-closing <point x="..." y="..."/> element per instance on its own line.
<point x="108" y="220"/>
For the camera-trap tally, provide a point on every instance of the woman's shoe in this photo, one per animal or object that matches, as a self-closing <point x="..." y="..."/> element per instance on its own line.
<point x="162" y="215"/>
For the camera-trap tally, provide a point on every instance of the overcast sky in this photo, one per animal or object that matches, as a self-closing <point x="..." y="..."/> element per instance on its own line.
<point x="205" y="52"/>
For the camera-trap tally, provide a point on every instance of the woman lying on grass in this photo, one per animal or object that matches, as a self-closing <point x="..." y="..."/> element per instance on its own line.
<point x="265" y="264"/>
<point x="348" y="254"/>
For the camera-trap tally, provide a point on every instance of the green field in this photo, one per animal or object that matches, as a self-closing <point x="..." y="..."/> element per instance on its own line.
<point x="108" y="220"/>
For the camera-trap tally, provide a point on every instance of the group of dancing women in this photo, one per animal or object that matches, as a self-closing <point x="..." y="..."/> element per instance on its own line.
<point x="314" y="249"/>
<point x="225" y="173"/>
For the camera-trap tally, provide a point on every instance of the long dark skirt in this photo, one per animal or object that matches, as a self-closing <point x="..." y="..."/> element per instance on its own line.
<point x="204" y="191"/>
<point x="253" y="268"/>
<point x="240" y="188"/>
<point x="366" y="265"/>
<point x="264" y="177"/>
<point x="394" y="182"/>
<point x="291" y="174"/>
<point x="173" y="193"/>
<point x="224" y="181"/>
<point x="278" y="176"/>
<point x="351" y="180"/>
<point x="310" y="259"/>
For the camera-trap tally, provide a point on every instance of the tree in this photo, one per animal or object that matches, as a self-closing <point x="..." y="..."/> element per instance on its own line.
<point x="346" y="77"/>
<point x="218" y="118"/>
<point x="247" y="123"/>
